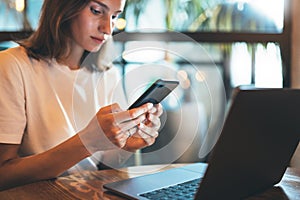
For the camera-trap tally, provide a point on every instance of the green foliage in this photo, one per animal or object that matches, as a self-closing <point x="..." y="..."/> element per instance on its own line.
<point x="181" y="13"/>
<point x="208" y="15"/>
<point x="135" y="7"/>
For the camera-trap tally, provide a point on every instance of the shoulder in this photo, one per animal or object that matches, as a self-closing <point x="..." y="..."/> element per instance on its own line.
<point x="14" y="52"/>
<point x="15" y="56"/>
<point x="15" y="63"/>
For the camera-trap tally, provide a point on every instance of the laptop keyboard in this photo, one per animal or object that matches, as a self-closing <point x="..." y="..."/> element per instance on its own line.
<point x="183" y="191"/>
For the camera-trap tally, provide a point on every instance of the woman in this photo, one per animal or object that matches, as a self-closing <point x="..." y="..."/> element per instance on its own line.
<point x="55" y="112"/>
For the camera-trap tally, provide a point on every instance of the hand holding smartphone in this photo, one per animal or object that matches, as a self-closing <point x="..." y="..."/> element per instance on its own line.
<point x="159" y="90"/>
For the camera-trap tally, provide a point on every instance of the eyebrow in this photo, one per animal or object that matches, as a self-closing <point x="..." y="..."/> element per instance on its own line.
<point x="105" y="6"/>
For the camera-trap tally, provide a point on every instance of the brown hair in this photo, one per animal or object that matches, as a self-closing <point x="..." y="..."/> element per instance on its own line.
<point x="51" y="39"/>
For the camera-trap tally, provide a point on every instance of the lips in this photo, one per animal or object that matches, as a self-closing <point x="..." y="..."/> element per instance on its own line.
<point x="97" y="40"/>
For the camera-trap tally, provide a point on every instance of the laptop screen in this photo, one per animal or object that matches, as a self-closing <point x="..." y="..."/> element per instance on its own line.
<point x="258" y="139"/>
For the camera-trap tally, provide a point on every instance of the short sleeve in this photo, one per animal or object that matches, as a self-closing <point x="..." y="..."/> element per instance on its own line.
<point x="12" y="99"/>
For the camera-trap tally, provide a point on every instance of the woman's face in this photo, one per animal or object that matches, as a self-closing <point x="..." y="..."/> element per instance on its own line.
<point x="95" y="23"/>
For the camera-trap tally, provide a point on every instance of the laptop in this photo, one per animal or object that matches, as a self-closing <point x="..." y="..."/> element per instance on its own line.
<point x="259" y="136"/>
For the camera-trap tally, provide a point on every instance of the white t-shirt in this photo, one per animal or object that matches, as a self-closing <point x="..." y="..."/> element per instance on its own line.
<point x="43" y="104"/>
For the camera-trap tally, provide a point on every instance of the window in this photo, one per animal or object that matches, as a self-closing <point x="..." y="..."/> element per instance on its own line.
<point x="212" y="46"/>
<point x="19" y="15"/>
<point x="245" y="43"/>
<point x="206" y="15"/>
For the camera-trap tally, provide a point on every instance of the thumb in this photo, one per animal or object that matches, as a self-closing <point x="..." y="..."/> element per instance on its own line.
<point x="110" y="109"/>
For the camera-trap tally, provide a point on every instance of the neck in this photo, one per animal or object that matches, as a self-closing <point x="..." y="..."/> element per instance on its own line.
<point x="72" y="63"/>
<point x="74" y="59"/>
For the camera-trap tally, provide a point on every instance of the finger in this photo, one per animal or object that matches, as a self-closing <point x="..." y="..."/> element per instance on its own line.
<point x="131" y="114"/>
<point x="148" y="139"/>
<point x="153" y="110"/>
<point x="159" y="109"/>
<point x="154" y="120"/>
<point x="124" y="136"/>
<point x="128" y="134"/>
<point x="150" y="131"/>
<point x="135" y="112"/>
<point x="120" y="139"/>
<point x="121" y="143"/>
<point x="110" y="109"/>
<point x="131" y="132"/>
<point x="124" y="126"/>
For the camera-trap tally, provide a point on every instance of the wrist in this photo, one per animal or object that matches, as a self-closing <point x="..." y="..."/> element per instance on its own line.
<point x="82" y="147"/>
<point x="94" y="139"/>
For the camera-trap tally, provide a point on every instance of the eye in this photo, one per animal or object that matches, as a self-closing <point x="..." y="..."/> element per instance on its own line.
<point x="96" y="11"/>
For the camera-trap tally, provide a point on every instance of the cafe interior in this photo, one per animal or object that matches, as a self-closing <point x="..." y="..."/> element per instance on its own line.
<point x="210" y="46"/>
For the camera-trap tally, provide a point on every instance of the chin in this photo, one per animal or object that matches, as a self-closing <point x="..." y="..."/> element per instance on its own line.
<point x="95" y="49"/>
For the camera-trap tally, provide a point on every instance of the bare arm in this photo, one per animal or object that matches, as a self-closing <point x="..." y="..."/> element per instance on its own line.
<point x="15" y="170"/>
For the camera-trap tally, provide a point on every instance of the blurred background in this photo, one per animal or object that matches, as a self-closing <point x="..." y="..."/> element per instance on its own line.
<point x="211" y="46"/>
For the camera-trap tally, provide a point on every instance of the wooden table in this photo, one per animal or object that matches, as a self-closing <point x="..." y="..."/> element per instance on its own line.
<point x="88" y="185"/>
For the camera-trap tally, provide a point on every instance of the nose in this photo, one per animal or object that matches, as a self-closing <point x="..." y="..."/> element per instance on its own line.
<point x="106" y="25"/>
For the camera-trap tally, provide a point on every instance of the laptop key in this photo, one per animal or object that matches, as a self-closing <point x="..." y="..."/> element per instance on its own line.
<point x="182" y="191"/>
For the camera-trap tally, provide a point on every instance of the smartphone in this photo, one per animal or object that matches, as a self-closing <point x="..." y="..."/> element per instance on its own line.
<point x="159" y="90"/>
